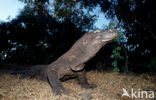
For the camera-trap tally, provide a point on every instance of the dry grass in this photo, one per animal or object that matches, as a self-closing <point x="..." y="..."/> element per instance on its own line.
<point x="109" y="87"/>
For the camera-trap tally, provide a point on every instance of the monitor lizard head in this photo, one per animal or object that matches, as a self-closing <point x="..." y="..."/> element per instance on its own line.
<point x="105" y="36"/>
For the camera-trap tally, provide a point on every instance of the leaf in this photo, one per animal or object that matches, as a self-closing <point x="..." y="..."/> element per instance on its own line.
<point x="114" y="64"/>
<point x="121" y="57"/>
<point x="118" y="48"/>
<point x="112" y="56"/>
<point x="116" y="69"/>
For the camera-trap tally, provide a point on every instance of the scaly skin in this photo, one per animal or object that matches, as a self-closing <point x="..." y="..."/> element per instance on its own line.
<point x="71" y="64"/>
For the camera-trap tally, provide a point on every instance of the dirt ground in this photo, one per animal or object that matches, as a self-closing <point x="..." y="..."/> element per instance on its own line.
<point x="109" y="84"/>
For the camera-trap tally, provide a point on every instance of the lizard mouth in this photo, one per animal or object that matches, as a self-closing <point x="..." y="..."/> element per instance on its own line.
<point x="109" y="39"/>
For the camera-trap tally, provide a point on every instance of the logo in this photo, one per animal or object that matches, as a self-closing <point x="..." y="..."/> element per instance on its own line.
<point x="138" y="93"/>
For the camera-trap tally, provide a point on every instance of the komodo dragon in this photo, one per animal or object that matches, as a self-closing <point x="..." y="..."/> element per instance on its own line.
<point x="71" y="63"/>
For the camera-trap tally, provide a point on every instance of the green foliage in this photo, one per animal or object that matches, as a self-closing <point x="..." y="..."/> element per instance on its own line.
<point x="116" y="52"/>
<point x="120" y="35"/>
<point x="116" y="55"/>
<point x="116" y="69"/>
<point x="152" y="65"/>
<point x="111" y="25"/>
<point x="43" y="31"/>
<point x="64" y="10"/>
<point x="137" y="18"/>
<point x="118" y="49"/>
